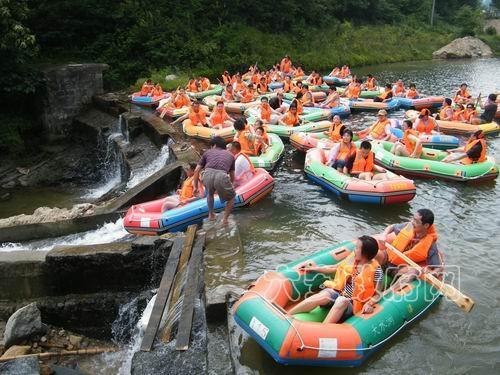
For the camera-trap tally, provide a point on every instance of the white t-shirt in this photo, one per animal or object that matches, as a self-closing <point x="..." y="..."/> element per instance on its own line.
<point x="242" y="172"/>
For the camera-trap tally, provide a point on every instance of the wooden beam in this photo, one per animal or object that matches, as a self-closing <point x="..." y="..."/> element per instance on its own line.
<point x="162" y="295"/>
<point x="190" y="293"/>
<point x="166" y="334"/>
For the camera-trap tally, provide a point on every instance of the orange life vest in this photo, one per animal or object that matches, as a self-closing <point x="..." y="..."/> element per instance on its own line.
<point x="262" y="88"/>
<point x="247" y="97"/>
<point x="255" y="78"/>
<point x="218" y="117"/>
<point x="258" y="143"/>
<point x="385" y="94"/>
<point x="187" y="189"/>
<point x="459" y="115"/>
<point x="226" y="79"/>
<point x="247" y="146"/>
<point x="290" y="119"/>
<point x="445" y="112"/>
<point x="364" y="281"/>
<point x="460" y="95"/>
<point x="193" y="86"/>
<point x="334" y="132"/>
<point x="345" y="152"/>
<point x="412" y="94"/>
<point x="318" y="81"/>
<point x="469" y="114"/>
<point x="287" y="86"/>
<point x="370" y="83"/>
<point x="239" y="87"/>
<point x="205" y="84"/>
<point x="228" y="95"/>
<point x="378" y="129"/>
<point x="265" y="112"/>
<point x="298" y="72"/>
<point x="146" y="89"/>
<point x="409" y="144"/>
<point x="404" y="242"/>
<point x="471" y="144"/>
<point x="399" y="89"/>
<point x="353" y="92"/>
<point x="181" y="101"/>
<point x="334" y="100"/>
<point x="198" y="119"/>
<point x="157" y="91"/>
<point x="362" y="164"/>
<point x="336" y="72"/>
<point x="425" y="127"/>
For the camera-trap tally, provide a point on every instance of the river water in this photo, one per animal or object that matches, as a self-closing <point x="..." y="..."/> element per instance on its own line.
<point x="299" y="218"/>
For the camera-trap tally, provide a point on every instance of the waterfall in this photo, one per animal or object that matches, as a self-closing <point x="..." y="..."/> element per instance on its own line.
<point x="158" y="163"/>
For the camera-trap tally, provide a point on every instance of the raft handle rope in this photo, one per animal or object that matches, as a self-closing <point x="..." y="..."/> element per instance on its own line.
<point x="371" y="347"/>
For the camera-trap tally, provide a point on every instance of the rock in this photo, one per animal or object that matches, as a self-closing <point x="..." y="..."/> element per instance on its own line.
<point x="21" y="366"/>
<point x="43" y="339"/>
<point x="16" y="350"/>
<point x="23" y="324"/>
<point x="75" y="340"/>
<point x="35" y="345"/>
<point x="62" y="332"/>
<point x="9" y="185"/>
<point x="70" y="347"/>
<point x="463" y="48"/>
<point x="5" y="196"/>
<point x="170" y="77"/>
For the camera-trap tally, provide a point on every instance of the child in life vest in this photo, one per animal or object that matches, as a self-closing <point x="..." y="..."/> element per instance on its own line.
<point x="185" y="194"/>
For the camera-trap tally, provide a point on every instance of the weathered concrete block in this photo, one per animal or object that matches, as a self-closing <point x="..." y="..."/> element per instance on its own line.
<point x="23" y="324"/>
<point x="21" y="366"/>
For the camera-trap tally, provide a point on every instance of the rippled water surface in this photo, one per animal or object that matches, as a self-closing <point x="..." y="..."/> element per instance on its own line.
<point x="299" y="218"/>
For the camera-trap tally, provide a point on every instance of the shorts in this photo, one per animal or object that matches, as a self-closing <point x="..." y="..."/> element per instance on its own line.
<point x="217" y="181"/>
<point x="339" y="164"/>
<point x="333" y="296"/>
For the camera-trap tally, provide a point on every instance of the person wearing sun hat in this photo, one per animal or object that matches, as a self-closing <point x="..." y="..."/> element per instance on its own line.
<point x="380" y="130"/>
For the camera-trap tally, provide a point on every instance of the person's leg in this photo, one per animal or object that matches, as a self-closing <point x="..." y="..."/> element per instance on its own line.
<point x="170" y="202"/>
<point x="210" y="204"/>
<point x="454" y="157"/>
<point x="401" y="150"/>
<point x="367" y="176"/>
<point x="336" y="312"/>
<point x="319" y="299"/>
<point x="380" y="176"/>
<point x="227" y="211"/>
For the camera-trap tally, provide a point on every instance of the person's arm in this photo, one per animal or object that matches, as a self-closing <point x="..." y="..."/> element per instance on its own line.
<point x="231" y="175"/>
<point x="388" y="133"/>
<point x="379" y="169"/>
<point x="180" y="119"/>
<point x="368" y="306"/>
<point x="417" y="145"/>
<point x="196" y="177"/>
<point x="320" y="269"/>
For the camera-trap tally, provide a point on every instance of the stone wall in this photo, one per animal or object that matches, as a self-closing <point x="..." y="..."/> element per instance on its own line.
<point x="67" y="90"/>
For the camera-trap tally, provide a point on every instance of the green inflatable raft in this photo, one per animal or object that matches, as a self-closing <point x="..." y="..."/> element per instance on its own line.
<point x="268" y="159"/>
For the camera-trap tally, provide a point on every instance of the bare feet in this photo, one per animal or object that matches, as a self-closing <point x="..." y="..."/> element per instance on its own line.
<point x="212" y="217"/>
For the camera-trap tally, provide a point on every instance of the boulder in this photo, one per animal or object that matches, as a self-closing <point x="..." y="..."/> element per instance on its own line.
<point x="463" y="48"/>
<point x="23" y="324"/>
<point x="21" y="366"/>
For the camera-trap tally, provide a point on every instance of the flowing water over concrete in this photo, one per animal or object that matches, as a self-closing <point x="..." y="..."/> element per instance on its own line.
<point x="299" y="218"/>
<point x="149" y="169"/>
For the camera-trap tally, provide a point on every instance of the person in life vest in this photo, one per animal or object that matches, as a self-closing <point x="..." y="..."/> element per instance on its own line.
<point x="345" y="71"/>
<point x="336" y="129"/>
<point x="185" y="194"/>
<point x="228" y="94"/>
<point x="248" y="95"/>
<point x="146" y="88"/>
<point x="474" y="150"/>
<point x="386" y="95"/>
<point x="425" y="123"/>
<point x="290" y="118"/>
<point x="196" y="115"/>
<point x="298" y="72"/>
<point x="297" y="87"/>
<point x="157" y="91"/>
<point x="192" y="85"/>
<point x="262" y="140"/>
<point x="446" y="112"/>
<point x="180" y="99"/>
<point x="417" y="240"/>
<point x="288" y="84"/>
<point x="332" y="100"/>
<point x="245" y="137"/>
<point x="341" y="152"/>
<point x="355" y="288"/>
<point x="276" y="103"/>
<point x="219" y="118"/>
<point x="353" y="89"/>
<point x="256" y="77"/>
<point x="458" y="113"/>
<point x="399" y="88"/>
<point x="335" y="72"/>
<point x="370" y="84"/>
<point x="307" y="97"/>
<point x="243" y="167"/>
<point x="470" y="114"/>
<point x="205" y="83"/>
<point x="262" y="86"/>
<point x="410" y="145"/>
<point x="412" y="92"/>
<point x="286" y="65"/>
<point x="462" y="96"/>
<point x="226" y="78"/>
<point x="380" y="130"/>
<point x="239" y="86"/>
<point x="268" y="114"/>
<point x="361" y="164"/>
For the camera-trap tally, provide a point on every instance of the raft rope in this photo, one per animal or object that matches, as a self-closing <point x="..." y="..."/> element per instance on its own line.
<point x="371" y="347"/>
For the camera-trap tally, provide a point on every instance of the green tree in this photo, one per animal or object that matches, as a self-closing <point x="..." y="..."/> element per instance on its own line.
<point x="469" y="19"/>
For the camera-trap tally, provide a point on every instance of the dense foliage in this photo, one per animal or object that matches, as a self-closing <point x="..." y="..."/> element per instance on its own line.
<point x="140" y="38"/>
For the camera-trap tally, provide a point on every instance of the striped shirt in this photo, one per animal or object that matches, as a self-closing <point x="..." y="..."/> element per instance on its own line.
<point x="217" y="158"/>
<point x="349" y="286"/>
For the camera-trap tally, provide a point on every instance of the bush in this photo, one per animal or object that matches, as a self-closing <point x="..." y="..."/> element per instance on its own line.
<point x="490" y="30"/>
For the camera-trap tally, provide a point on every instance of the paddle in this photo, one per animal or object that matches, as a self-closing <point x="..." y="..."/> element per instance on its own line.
<point x="477" y="100"/>
<point x="460" y="299"/>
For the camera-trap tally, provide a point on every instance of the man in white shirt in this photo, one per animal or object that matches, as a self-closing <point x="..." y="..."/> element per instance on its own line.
<point x="243" y="168"/>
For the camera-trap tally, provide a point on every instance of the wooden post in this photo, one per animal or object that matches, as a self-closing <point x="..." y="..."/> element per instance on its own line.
<point x="176" y="293"/>
<point x="190" y="292"/>
<point x="162" y="295"/>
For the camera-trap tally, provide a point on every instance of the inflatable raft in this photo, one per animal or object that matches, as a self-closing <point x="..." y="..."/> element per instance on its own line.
<point x="396" y="190"/>
<point x="286" y="131"/>
<point x="147" y="218"/>
<point x="212" y="90"/>
<point x="429" y="165"/>
<point x="274" y="152"/>
<point x="370" y="105"/>
<point x="303" y="339"/>
<point x="275" y="85"/>
<point x="364" y="94"/>
<point x="147" y="101"/>
<point x="457" y="127"/>
<point x="318" y="96"/>
<point x="421" y="103"/>
<point x="331" y="80"/>
<point x="207" y="133"/>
